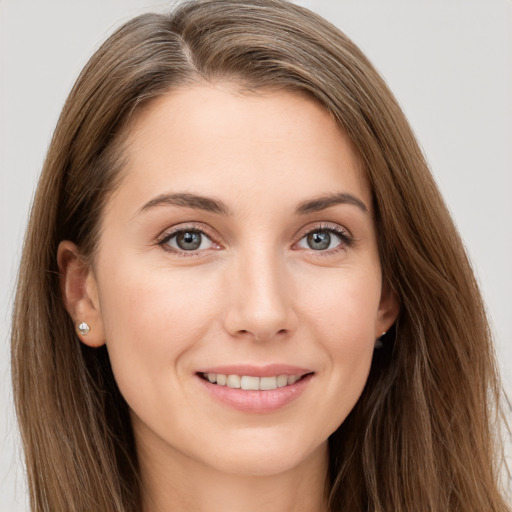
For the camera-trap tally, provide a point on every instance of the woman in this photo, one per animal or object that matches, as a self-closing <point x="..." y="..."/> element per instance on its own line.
<point x="253" y="296"/>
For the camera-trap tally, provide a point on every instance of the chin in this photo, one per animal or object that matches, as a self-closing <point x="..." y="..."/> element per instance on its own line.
<point x="266" y="458"/>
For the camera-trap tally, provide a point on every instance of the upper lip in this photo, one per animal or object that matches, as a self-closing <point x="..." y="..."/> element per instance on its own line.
<point x="269" y="370"/>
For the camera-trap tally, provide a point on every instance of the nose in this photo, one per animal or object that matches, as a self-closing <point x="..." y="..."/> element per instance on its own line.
<point x="260" y="298"/>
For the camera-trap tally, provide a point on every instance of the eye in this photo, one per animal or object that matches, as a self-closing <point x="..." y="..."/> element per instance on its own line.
<point x="189" y="240"/>
<point x="324" y="239"/>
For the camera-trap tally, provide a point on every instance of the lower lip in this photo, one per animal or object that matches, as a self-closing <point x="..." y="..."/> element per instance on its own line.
<point x="258" y="402"/>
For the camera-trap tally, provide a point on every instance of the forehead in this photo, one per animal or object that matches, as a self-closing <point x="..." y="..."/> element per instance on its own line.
<point x="215" y="139"/>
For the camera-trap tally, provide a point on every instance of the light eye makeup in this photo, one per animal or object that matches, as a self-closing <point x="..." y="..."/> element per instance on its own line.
<point x="187" y="240"/>
<point x="325" y="239"/>
<point x="191" y="240"/>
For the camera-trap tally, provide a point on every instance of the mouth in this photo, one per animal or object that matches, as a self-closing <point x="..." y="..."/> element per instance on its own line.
<point x="251" y="382"/>
<point x="255" y="389"/>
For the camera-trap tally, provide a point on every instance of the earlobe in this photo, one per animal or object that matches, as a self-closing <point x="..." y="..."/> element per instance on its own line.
<point x="80" y="294"/>
<point x="389" y="307"/>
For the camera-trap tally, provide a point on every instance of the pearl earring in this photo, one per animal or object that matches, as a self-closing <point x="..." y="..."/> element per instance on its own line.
<point x="83" y="328"/>
<point x="378" y="341"/>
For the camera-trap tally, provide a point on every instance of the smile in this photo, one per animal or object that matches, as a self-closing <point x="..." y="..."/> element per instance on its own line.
<point x="248" y="382"/>
<point x="257" y="390"/>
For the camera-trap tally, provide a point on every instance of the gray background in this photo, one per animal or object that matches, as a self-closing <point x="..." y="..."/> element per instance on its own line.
<point x="449" y="63"/>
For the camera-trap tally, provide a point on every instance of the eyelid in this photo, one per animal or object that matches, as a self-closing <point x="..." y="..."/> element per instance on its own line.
<point x="347" y="240"/>
<point x="323" y="226"/>
<point x="167" y="234"/>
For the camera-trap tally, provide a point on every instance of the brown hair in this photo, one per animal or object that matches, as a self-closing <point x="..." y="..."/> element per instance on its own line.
<point x="423" y="434"/>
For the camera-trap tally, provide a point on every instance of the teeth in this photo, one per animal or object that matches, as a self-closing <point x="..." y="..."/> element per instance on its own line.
<point x="268" y="382"/>
<point x="233" y="381"/>
<point x="282" y="381"/>
<point x="248" y="382"/>
<point x="292" y="379"/>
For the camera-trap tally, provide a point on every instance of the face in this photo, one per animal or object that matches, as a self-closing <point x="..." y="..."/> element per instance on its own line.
<point x="239" y="250"/>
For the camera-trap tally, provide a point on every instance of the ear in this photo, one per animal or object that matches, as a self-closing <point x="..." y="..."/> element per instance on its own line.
<point x="389" y="307"/>
<point x="80" y="293"/>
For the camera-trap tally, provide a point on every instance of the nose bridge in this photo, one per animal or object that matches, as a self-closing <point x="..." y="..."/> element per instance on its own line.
<point x="260" y="302"/>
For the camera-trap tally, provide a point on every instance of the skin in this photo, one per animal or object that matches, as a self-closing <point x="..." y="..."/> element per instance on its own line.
<point x="255" y="292"/>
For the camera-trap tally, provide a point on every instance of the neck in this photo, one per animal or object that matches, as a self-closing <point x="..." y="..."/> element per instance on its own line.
<point x="174" y="482"/>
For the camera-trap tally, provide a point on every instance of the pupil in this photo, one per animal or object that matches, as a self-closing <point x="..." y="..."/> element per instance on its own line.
<point x="319" y="240"/>
<point x="188" y="240"/>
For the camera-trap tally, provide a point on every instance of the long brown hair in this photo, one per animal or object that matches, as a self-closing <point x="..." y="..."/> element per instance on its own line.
<point x="423" y="434"/>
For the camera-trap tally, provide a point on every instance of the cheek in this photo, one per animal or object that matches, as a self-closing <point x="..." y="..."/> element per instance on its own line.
<point x="343" y="307"/>
<point x="141" y="300"/>
<point x="342" y="320"/>
<point x="151" y="317"/>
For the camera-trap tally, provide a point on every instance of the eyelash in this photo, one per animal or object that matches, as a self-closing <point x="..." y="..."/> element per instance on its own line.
<point x="346" y="239"/>
<point x="166" y="237"/>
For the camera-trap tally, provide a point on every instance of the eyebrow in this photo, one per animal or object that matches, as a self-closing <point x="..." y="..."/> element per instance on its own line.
<point x="193" y="201"/>
<point x="208" y="204"/>
<point x="323" y="202"/>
